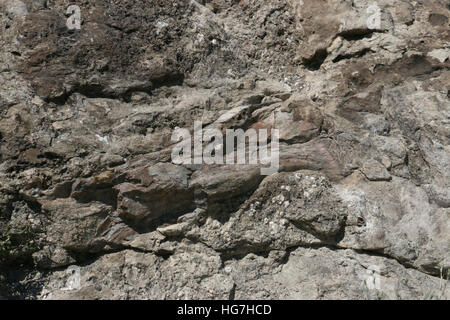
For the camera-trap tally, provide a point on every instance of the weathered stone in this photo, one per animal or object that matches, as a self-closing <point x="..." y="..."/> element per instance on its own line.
<point x="92" y="207"/>
<point x="375" y="171"/>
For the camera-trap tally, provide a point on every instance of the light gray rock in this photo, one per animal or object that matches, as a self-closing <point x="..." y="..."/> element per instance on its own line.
<point x="92" y="207"/>
<point x="375" y="171"/>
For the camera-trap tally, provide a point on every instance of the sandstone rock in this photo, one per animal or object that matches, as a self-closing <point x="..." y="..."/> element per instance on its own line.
<point x="163" y="189"/>
<point x="92" y="207"/>
<point x="375" y="171"/>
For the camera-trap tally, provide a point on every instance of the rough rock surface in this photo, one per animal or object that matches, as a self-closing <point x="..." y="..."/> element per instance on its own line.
<point x="92" y="207"/>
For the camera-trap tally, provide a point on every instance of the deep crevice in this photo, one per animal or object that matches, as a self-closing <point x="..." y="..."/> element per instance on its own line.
<point x="315" y="62"/>
<point x="357" y="54"/>
<point x="358" y="34"/>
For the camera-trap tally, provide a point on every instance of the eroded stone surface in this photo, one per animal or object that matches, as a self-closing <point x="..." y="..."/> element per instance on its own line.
<point x="92" y="207"/>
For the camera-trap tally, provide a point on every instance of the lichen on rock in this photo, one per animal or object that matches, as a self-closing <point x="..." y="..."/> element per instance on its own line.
<point x="92" y="206"/>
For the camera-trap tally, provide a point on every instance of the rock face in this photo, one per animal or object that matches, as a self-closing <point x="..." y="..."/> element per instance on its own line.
<point x="93" y="207"/>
